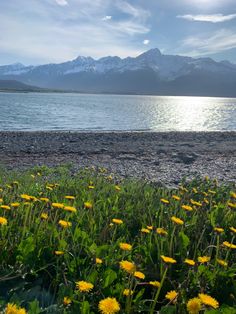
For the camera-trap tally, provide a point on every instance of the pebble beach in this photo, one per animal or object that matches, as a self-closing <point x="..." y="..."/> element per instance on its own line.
<point x="164" y="157"/>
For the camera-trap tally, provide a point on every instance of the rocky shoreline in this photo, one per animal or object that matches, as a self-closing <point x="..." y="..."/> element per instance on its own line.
<point x="164" y="157"/>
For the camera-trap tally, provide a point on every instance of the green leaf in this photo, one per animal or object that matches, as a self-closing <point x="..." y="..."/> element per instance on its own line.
<point x="62" y="244"/>
<point x="139" y="295"/>
<point x="168" y="310"/>
<point x="93" y="277"/>
<point x="93" y="248"/>
<point x="109" y="277"/>
<point x="85" y="307"/>
<point x="184" y="240"/>
<point x="34" y="307"/>
<point x="25" y="248"/>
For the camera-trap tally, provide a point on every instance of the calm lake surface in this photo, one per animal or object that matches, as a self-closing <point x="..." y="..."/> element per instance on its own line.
<point x="83" y="112"/>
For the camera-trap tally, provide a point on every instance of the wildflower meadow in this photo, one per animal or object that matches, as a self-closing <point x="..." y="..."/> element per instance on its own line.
<point x="90" y="242"/>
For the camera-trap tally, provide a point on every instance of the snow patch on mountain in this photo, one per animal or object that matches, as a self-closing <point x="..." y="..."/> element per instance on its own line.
<point x="167" y="67"/>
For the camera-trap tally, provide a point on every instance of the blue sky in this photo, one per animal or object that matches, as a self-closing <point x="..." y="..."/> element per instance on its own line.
<point x="44" y="31"/>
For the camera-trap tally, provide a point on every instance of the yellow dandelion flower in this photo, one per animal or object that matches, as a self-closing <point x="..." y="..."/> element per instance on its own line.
<point x="33" y="198"/>
<point x="117" y="221"/>
<point x="232" y="194"/>
<point x="91" y="187"/>
<point x="84" y="286"/>
<point x="58" y="205"/>
<point x="14" y="309"/>
<point x="177" y="221"/>
<point x="88" y="205"/>
<point x="190" y="262"/>
<point x="44" y="199"/>
<point x="229" y="245"/>
<point x="70" y="209"/>
<point x="208" y="300"/>
<point x="232" y="205"/>
<point x="44" y="216"/>
<point x="161" y="231"/>
<point x="145" y="230"/>
<point x="15" y="205"/>
<point x="3" y="221"/>
<point x="194" y="190"/>
<point x="25" y="197"/>
<point x="232" y="229"/>
<point x="49" y="188"/>
<point x="125" y="246"/>
<point x="195" y="203"/>
<point x="212" y="192"/>
<point x="139" y="274"/>
<point x="203" y="259"/>
<point x="98" y="260"/>
<point x="150" y="227"/>
<point x="222" y="262"/>
<point x="109" y="306"/>
<point x="59" y="253"/>
<point x="187" y="208"/>
<point x="206" y="201"/>
<point x="127" y="266"/>
<point x="127" y="292"/>
<point x="67" y="301"/>
<point x="172" y="296"/>
<point x="194" y="306"/>
<point x="117" y="188"/>
<point x="164" y="201"/>
<point x="176" y="197"/>
<point x="64" y="224"/>
<point x="5" y="207"/>
<point x="218" y="230"/>
<point x="155" y="284"/>
<point x="70" y="197"/>
<point x="183" y="189"/>
<point x="168" y="260"/>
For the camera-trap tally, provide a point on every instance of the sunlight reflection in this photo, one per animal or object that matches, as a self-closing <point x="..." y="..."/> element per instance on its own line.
<point x="191" y="112"/>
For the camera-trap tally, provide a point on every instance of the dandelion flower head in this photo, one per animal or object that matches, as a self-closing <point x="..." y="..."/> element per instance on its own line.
<point x="208" y="300"/>
<point x="194" y="306"/>
<point x="84" y="286"/>
<point x="109" y="306"/>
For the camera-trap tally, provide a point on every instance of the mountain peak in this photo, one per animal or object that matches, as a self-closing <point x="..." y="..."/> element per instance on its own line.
<point x="151" y="53"/>
<point x="83" y="59"/>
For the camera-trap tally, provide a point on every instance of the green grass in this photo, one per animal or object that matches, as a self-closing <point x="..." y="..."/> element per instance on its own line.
<point x="34" y="277"/>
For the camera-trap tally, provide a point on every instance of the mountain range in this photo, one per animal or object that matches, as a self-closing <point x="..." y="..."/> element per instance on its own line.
<point x="149" y="73"/>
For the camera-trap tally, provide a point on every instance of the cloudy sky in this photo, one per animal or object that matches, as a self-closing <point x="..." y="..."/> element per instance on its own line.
<point x="44" y="31"/>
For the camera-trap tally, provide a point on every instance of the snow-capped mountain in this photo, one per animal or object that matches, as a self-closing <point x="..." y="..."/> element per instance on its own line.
<point x="150" y="73"/>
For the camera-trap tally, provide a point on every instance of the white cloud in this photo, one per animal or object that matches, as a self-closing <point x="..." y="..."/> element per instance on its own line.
<point x="106" y="18"/>
<point x="78" y="32"/>
<point x="134" y="11"/>
<point x="213" y="18"/>
<point x="206" y="44"/>
<point x="62" y="2"/>
<point x="129" y="27"/>
<point x="146" y="41"/>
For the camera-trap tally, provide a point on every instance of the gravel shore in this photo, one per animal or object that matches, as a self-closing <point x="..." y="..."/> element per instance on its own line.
<point x="164" y="157"/>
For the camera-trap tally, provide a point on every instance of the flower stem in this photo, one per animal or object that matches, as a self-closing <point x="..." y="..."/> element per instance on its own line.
<point x="158" y="291"/>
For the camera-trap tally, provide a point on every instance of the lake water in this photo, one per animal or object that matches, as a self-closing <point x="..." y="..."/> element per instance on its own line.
<point x="55" y="111"/>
